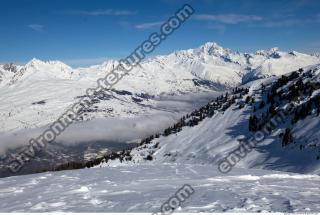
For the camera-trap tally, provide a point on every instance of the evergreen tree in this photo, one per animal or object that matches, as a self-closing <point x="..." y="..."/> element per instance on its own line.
<point x="287" y="137"/>
<point x="253" y="123"/>
<point x="317" y="104"/>
<point x="248" y="99"/>
<point x="262" y="104"/>
<point x="272" y="110"/>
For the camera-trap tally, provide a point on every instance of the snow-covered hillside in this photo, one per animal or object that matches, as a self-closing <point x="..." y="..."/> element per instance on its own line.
<point x="210" y="134"/>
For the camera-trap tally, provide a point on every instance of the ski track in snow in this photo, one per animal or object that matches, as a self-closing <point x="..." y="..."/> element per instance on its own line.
<point x="146" y="187"/>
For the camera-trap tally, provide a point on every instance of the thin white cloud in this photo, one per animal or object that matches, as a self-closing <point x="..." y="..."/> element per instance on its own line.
<point x="290" y="22"/>
<point x="283" y="23"/>
<point x="106" y="12"/>
<point x="36" y="27"/>
<point x="228" y="18"/>
<point x="148" y="25"/>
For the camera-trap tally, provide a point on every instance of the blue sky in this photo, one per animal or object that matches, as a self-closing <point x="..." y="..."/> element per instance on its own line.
<point x="83" y="32"/>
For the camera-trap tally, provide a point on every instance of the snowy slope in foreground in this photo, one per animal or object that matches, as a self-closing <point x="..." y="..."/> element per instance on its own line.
<point x="145" y="188"/>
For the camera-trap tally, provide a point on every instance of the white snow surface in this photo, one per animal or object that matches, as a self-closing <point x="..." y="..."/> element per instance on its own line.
<point x="145" y="188"/>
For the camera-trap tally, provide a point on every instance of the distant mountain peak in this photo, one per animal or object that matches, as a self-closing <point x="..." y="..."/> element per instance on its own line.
<point x="274" y="49"/>
<point x="212" y="45"/>
<point x="270" y="53"/>
<point x="34" y="61"/>
<point x="212" y="48"/>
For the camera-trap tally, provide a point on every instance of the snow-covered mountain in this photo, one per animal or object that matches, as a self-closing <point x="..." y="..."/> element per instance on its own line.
<point x="6" y="73"/>
<point x="39" y="92"/>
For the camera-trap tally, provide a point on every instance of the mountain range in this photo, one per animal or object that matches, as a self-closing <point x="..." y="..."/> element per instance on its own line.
<point x="37" y="93"/>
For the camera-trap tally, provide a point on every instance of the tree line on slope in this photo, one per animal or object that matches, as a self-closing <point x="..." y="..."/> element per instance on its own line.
<point x="295" y="89"/>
